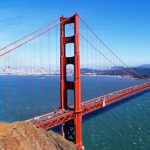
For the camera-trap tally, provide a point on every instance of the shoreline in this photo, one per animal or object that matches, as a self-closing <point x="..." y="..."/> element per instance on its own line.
<point x="82" y="75"/>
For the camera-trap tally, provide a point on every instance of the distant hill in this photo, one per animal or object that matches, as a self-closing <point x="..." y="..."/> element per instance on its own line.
<point x="120" y="71"/>
<point x="145" y="66"/>
<point x="145" y="71"/>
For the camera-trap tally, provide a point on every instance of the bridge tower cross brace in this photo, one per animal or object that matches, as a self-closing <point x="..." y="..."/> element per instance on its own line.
<point x="71" y="130"/>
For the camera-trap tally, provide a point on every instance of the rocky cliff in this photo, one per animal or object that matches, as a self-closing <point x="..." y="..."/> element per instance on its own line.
<point x="23" y="136"/>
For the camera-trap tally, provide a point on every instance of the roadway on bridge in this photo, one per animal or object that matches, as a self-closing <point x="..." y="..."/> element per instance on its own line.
<point x="59" y="116"/>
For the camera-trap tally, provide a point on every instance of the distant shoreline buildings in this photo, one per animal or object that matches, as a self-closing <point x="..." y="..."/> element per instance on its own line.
<point x="116" y="72"/>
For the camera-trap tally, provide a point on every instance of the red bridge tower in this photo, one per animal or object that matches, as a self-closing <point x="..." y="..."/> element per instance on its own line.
<point x="72" y="130"/>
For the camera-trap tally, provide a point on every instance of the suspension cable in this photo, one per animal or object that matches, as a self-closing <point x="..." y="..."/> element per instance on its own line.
<point x="101" y="52"/>
<point x="39" y="29"/>
<point x="108" y="48"/>
<point x="33" y="38"/>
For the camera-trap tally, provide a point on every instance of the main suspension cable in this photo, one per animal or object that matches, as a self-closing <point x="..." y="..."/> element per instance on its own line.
<point x="39" y="29"/>
<point x="8" y="51"/>
<point x="108" y="48"/>
<point x="101" y="52"/>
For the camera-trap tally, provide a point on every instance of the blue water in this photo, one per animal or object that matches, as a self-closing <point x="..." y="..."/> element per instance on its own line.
<point x="123" y="126"/>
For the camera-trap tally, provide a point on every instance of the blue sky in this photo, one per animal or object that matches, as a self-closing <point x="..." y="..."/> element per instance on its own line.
<point x="123" y="24"/>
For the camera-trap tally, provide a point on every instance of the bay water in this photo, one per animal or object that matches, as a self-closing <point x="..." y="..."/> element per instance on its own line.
<point x="120" y="126"/>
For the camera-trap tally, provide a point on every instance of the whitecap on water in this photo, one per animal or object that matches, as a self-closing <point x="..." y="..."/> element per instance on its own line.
<point x="42" y="78"/>
<point x="140" y="140"/>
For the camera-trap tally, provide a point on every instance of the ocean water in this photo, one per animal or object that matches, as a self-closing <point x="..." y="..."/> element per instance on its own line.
<point x="121" y="126"/>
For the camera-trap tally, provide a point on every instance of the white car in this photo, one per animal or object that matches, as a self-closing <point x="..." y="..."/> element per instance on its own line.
<point x="49" y="117"/>
<point x="35" y="118"/>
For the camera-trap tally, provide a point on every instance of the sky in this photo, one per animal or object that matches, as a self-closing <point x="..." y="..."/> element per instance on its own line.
<point x="123" y="24"/>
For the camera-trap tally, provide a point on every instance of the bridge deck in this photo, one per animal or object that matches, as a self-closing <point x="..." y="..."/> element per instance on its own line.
<point x="60" y="116"/>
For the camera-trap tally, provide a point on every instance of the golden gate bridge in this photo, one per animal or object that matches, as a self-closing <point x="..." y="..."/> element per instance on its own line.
<point x="39" y="53"/>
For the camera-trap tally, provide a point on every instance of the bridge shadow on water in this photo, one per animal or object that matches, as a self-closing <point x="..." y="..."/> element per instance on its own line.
<point x="100" y="111"/>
